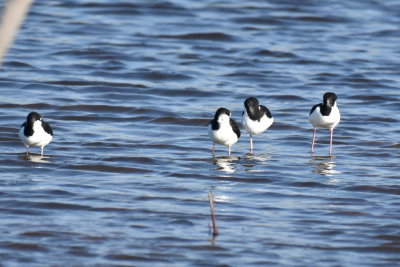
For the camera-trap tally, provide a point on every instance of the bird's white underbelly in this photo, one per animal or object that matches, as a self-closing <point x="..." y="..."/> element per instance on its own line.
<point x="39" y="138"/>
<point x="223" y="136"/>
<point x="327" y="122"/>
<point x="256" y="127"/>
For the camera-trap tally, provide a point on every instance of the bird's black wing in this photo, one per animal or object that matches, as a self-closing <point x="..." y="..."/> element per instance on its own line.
<point x="214" y="124"/>
<point x="266" y="111"/>
<point x="314" y="107"/>
<point x="235" y="127"/>
<point x="28" y="130"/>
<point x="47" y="128"/>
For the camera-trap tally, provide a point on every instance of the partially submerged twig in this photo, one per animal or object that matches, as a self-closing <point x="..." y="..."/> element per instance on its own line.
<point x="210" y="196"/>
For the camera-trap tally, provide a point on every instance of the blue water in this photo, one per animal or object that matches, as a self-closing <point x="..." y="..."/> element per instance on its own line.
<point x="129" y="88"/>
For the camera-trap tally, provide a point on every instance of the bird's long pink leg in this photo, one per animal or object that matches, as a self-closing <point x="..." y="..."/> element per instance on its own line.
<point x="251" y="144"/>
<point x="330" y="144"/>
<point x="27" y="150"/>
<point x="41" y="154"/>
<point x="229" y="151"/>
<point x="313" y="140"/>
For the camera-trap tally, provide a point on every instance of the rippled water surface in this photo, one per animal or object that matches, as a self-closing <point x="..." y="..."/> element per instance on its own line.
<point x="129" y="87"/>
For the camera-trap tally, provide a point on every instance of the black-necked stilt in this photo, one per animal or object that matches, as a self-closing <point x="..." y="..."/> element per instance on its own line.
<point x="35" y="132"/>
<point x="223" y="130"/>
<point x="255" y="118"/>
<point x="325" y="115"/>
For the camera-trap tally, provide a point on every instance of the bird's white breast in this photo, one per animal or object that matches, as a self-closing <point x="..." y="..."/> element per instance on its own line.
<point x="256" y="127"/>
<point x="328" y="122"/>
<point x="224" y="135"/>
<point x="39" y="138"/>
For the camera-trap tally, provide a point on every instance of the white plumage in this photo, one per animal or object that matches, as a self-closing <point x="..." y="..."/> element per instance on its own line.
<point x="255" y="118"/>
<point x="35" y="132"/>
<point x="254" y="126"/>
<point x="325" y="115"/>
<point x="224" y="135"/>
<point x="223" y="130"/>
<point x="39" y="138"/>
<point x="327" y="122"/>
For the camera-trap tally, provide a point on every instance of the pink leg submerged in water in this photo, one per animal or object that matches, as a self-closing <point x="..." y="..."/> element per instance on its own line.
<point x="330" y="144"/>
<point x="313" y="140"/>
<point x="251" y="144"/>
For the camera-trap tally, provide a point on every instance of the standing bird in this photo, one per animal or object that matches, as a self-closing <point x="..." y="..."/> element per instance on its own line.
<point x="223" y="130"/>
<point x="255" y="118"/>
<point x="35" y="132"/>
<point x="325" y="115"/>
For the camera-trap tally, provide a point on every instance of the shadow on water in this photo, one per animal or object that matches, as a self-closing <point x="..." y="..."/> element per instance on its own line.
<point x="323" y="165"/>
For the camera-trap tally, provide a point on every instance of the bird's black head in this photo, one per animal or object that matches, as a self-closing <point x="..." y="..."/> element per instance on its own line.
<point x="33" y="116"/>
<point x="330" y="99"/>
<point x="221" y="111"/>
<point x="252" y="108"/>
<point x="251" y="102"/>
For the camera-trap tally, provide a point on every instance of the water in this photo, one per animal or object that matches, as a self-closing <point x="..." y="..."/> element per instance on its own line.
<point x="129" y="87"/>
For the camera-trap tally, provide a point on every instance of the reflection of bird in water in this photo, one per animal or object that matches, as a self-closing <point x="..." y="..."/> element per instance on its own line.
<point x="324" y="166"/>
<point x="35" y="132"/>
<point x="223" y="130"/>
<point x="225" y="164"/>
<point x="35" y="158"/>
<point x="255" y="163"/>
<point x="325" y="115"/>
<point x="255" y="118"/>
<point x="13" y="14"/>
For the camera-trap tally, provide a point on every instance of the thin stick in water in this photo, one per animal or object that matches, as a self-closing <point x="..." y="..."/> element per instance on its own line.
<point x="210" y="196"/>
<point x="13" y="14"/>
